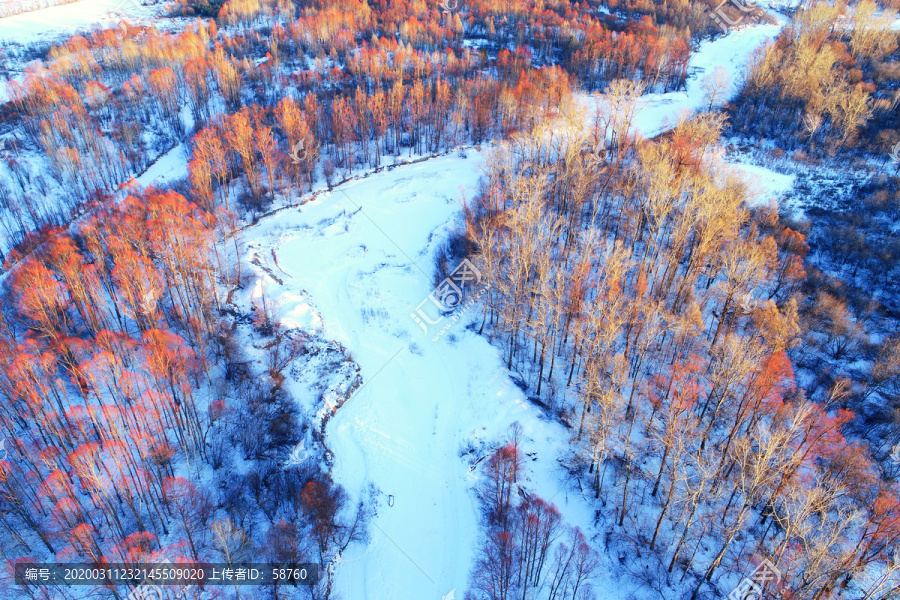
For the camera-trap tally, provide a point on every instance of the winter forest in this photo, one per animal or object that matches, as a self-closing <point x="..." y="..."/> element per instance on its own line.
<point x="451" y="299"/>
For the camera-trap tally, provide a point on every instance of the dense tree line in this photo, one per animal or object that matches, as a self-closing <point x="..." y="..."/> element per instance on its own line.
<point x="112" y="346"/>
<point x="817" y="85"/>
<point x="850" y="355"/>
<point x="285" y="142"/>
<point x="92" y="112"/>
<point x="637" y="295"/>
<point x="827" y="88"/>
<point x="651" y="47"/>
<point x="104" y="106"/>
<point x="97" y="383"/>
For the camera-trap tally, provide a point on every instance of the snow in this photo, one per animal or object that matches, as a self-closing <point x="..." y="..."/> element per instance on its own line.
<point x="363" y="254"/>
<point x="352" y="265"/>
<point x="765" y="184"/>
<point x="169" y="168"/>
<point x="779" y="5"/>
<point x="69" y="19"/>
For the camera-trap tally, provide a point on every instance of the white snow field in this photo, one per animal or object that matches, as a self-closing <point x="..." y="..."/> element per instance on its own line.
<point x="361" y="259"/>
<point x="765" y="184"/>
<point x="69" y="19"/>
<point x="168" y="168"/>
<point x="362" y="255"/>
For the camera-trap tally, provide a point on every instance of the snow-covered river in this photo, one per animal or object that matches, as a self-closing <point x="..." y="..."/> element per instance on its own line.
<point x="361" y="259"/>
<point x="363" y="255"/>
